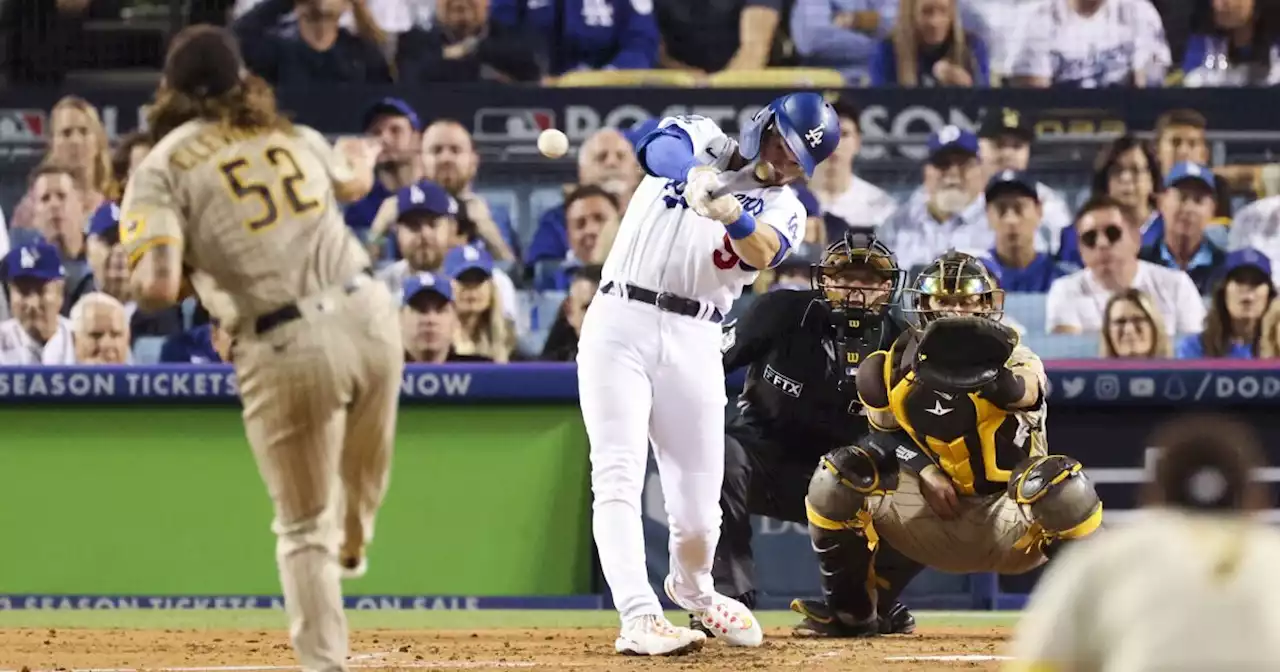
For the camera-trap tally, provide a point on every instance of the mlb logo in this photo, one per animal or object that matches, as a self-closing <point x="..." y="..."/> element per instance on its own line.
<point x="22" y="125"/>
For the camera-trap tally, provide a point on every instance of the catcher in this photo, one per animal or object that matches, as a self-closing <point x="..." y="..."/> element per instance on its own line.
<point x="955" y="474"/>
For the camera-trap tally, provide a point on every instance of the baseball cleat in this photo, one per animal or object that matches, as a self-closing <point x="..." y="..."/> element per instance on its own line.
<point x="354" y="567"/>
<point x="820" y="621"/>
<point x="897" y="620"/>
<point x="651" y="635"/>
<point x="727" y="619"/>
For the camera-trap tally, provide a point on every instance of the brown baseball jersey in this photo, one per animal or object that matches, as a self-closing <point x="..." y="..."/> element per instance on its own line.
<point x="258" y="218"/>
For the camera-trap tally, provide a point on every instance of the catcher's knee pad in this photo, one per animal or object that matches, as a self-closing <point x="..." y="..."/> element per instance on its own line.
<point x="846" y="477"/>
<point x="1060" y="498"/>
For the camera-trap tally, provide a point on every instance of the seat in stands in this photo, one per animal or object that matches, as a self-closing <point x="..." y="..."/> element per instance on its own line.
<point x="146" y="349"/>
<point x="505" y="200"/>
<point x="1062" y="346"/>
<point x="546" y="308"/>
<point x="1028" y="309"/>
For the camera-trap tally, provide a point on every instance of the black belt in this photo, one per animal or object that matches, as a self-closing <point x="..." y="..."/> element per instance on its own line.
<point x="291" y="312"/>
<point x="663" y="301"/>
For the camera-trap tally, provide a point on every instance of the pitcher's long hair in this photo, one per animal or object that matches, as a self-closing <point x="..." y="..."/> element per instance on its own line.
<point x="249" y="106"/>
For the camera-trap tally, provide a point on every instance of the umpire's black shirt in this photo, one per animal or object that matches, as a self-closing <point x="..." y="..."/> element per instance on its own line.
<point x="792" y="393"/>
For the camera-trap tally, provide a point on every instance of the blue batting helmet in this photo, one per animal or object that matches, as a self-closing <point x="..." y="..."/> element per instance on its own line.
<point x="806" y="122"/>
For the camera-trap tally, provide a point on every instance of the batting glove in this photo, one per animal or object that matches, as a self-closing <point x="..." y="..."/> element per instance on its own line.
<point x="700" y="182"/>
<point x="725" y="209"/>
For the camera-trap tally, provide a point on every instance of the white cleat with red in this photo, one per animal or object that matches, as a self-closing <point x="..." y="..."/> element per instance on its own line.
<point x="728" y="619"/>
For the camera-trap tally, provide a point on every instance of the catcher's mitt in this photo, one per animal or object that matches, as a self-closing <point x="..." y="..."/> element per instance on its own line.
<point x="963" y="353"/>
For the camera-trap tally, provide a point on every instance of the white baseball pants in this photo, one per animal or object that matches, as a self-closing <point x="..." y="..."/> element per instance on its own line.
<point x="644" y="376"/>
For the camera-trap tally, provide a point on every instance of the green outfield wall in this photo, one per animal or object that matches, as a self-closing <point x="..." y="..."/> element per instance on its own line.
<point x="164" y="500"/>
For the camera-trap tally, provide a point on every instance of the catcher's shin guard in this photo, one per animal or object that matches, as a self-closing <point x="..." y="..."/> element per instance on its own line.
<point x="1059" y="498"/>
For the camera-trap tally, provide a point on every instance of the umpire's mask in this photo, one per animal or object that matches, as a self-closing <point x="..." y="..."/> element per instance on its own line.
<point x="858" y="278"/>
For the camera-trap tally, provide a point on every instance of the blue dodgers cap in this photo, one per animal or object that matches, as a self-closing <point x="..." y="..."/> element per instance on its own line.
<point x="466" y="258"/>
<point x="425" y="196"/>
<point x="394" y="107"/>
<point x="1015" y="181"/>
<point x="104" y="220"/>
<point x="952" y="139"/>
<point x="1246" y="258"/>
<point x="426" y="282"/>
<point x="39" y="261"/>
<point x="1186" y="170"/>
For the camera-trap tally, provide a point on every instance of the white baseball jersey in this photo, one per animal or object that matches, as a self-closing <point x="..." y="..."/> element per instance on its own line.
<point x="664" y="246"/>
<point x="1121" y="39"/>
<point x="17" y="348"/>
<point x="1170" y="591"/>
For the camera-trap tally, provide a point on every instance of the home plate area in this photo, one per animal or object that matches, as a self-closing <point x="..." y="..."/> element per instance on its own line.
<point x="176" y="650"/>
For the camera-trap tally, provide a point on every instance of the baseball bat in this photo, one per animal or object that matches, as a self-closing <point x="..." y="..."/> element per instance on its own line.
<point x="743" y="180"/>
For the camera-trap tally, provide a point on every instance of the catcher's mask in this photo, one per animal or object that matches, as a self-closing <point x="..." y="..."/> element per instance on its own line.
<point x="955" y="284"/>
<point x="858" y="277"/>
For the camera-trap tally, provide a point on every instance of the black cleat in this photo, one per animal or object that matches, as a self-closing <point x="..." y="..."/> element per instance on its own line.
<point x="897" y="620"/>
<point x="820" y="621"/>
<point x="695" y="623"/>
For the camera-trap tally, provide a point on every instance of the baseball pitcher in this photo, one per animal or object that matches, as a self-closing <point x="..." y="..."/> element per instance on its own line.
<point x="649" y="367"/>
<point x="955" y="474"/>
<point x="249" y="203"/>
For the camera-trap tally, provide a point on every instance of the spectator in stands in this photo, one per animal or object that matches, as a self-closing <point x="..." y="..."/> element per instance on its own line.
<point x="562" y="341"/>
<point x="1125" y="170"/>
<point x="462" y="45"/>
<point x="316" y="49"/>
<point x="1015" y="213"/>
<point x="426" y="226"/>
<point x="585" y="34"/>
<point x="429" y="321"/>
<point x="1233" y="43"/>
<point x="947" y="213"/>
<point x="1181" y="136"/>
<point x="37" y="333"/>
<point x="608" y="160"/>
<point x="1076" y="302"/>
<point x="130" y="151"/>
<point x="396" y="126"/>
<point x="841" y="192"/>
<point x="77" y="141"/>
<point x="483" y="327"/>
<point x="1186" y="206"/>
<point x="1257" y="225"/>
<point x="792" y="274"/>
<point x="109" y="274"/>
<point x="206" y="344"/>
<point x="714" y="35"/>
<point x="1004" y="143"/>
<point x="1270" y="346"/>
<point x="1241" y="296"/>
<point x="100" y="330"/>
<point x="449" y="159"/>
<point x="930" y="47"/>
<point x="1134" y="328"/>
<point x="592" y="218"/>
<point x="1091" y="44"/>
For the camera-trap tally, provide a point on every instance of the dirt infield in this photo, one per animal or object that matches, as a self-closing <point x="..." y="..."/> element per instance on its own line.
<point x="40" y="650"/>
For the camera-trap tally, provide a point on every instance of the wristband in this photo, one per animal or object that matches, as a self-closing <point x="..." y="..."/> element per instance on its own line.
<point x="744" y="226"/>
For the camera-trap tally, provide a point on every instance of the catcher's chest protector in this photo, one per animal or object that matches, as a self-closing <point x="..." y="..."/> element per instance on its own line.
<point x="972" y="440"/>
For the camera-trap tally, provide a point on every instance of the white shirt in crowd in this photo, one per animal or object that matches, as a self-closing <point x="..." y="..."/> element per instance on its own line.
<point x="1210" y="603"/>
<point x="393" y="16"/>
<point x="862" y="205"/>
<point x="1257" y="225"/>
<point x="916" y="238"/>
<point x="17" y="348"/>
<point x="395" y="274"/>
<point x="1105" y="49"/>
<point x="1078" y="300"/>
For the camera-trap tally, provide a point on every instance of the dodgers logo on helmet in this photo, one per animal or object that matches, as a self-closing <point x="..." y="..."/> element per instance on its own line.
<point x="806" y="123"/>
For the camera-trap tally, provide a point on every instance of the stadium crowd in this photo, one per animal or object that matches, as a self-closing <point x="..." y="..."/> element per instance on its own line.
<point x="1168" y="256"/>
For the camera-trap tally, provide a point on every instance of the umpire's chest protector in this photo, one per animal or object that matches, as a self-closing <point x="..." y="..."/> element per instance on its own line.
<point x="971" y="439"/>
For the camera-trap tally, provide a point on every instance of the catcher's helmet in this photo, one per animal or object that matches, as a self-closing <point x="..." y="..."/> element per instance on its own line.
<point x="853" y="273"/>
<point x="805" y="121"/>
<point x="952" y="285"/>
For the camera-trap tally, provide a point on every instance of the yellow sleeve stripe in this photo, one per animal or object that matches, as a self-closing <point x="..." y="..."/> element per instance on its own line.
<point x="136" y="255"/>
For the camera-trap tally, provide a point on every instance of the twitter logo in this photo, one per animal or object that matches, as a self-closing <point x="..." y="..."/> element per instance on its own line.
<point x="1073" y="387"/>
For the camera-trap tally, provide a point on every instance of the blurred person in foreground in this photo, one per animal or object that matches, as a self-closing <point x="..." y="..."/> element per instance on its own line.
<point x="429" y="321"/>
<point x="1015" y="213"/>
<point x="483" y="327"/>
<point x="100" y="329"/>
<point x="1133" y="328"/>
<point x="463" y="45"/>
<point x="314" y="50"/>
<point x="608" y="160"/>
<point x="1189" y="585"/>
<point x="77" y="142"/>
<point x="1233" y="327"/>
<point x="399" y="132"/>
<point x="37" y="333"/>
<point x="840" y="191"/>
<point x="238" y="199"/>
<point x="929" y="47"/>
<point x="1187" y="205"/>
<point x="562" y="341"/>
<point x="1004" y="143"/>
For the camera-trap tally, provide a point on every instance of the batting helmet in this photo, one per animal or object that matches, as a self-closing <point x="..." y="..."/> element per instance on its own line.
<point x="807" y="123"/>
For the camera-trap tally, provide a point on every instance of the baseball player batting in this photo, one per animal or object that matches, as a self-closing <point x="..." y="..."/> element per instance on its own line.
<point x="649" y="367"/>
<point x="235" y="191"/>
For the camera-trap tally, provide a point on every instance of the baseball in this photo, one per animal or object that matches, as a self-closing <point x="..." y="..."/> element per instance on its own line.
<point x="553" y="143"/>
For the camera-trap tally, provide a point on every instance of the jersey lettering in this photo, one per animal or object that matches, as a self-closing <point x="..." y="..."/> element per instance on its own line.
<point x="724" y="257"/>
<point x="291" y="177"/>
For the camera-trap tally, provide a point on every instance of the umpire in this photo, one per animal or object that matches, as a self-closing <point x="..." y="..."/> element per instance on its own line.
<point x="802" y="350"/>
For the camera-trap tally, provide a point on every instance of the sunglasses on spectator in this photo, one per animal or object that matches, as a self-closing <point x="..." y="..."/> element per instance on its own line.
<point x="1090" y="238"/>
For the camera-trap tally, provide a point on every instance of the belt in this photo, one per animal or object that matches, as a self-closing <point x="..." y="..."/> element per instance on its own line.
<point x="286" y="314"/>
<point x="662" y="300"/>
